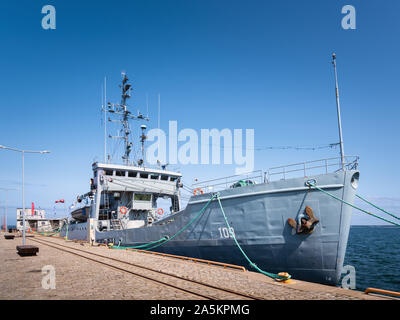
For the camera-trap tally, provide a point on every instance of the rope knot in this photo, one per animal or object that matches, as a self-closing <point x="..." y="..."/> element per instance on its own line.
<point x="311" y="183"/>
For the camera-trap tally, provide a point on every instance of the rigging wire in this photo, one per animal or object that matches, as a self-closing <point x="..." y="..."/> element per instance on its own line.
<point x="261" y="148"/>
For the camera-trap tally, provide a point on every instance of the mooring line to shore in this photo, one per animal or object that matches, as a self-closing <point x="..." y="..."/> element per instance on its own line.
<point x="311" y="184"/>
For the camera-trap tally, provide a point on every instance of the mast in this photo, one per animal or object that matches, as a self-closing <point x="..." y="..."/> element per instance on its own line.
<point x="143" y="138"/>
<point x="125" y="115"/>
<point x="126" y="95"/>
<point x="159" y="110"/>
<point x="105" y="120"/>
<point x="338" y="113"/>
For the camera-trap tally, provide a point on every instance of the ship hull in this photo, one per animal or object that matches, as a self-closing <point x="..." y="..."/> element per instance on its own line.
<point x="258" y="215"/>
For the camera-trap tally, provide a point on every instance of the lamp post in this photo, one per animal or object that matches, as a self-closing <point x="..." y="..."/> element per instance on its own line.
<point x="23" y="181"/>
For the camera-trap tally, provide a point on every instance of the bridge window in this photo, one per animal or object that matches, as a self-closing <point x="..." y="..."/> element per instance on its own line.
<point x="109" y="172"/>
<point x="132" y="174"/>
<point x="165" y="178"/>
<point x="142" y="197"/>
<point x="120" y="173"/>
<point x="154" y="176"/>
<point x="144" y="175"/>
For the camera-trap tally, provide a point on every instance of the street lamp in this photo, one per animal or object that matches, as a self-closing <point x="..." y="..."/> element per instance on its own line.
<point x="23" y="177"/>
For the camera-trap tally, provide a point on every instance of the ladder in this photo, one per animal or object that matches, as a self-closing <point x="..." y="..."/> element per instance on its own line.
<point x="175" y="204"/>
<point x="106" y="204"/>
<point x="104" y="210"/>
<point x="116" y="224"/>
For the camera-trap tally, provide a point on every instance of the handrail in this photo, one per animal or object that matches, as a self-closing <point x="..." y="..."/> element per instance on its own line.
<point x="255" y="175"/>
<point x="352" y="163"/>
<point x="312" y="161"/>
<point x="381" y="291"/>
<point x="234" y="176"/>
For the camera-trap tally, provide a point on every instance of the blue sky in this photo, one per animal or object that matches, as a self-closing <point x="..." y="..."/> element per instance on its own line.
<point x="217" y="64"/>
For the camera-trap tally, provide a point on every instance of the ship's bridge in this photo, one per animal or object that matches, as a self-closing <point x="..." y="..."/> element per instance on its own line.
<point x="130" y="194"/>
<point x="123" y="178"/>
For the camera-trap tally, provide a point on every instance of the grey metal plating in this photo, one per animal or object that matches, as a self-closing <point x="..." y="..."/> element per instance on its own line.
<point x="123" y="202"/>
<point x="259" y="219"/>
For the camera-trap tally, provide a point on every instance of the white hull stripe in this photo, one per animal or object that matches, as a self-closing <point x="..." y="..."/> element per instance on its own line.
<point x="331" y="186"/>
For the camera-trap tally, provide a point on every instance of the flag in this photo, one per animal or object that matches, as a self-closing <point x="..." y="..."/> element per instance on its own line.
<point x="60" y="201"/>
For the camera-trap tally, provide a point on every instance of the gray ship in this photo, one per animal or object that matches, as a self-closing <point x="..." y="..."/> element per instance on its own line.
<point x="281" y="221"/>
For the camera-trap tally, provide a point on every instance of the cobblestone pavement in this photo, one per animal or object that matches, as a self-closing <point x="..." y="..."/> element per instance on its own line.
<point x="78" y="278"/>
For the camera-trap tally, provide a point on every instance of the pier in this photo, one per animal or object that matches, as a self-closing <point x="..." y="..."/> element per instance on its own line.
<point x="96" y="272"/>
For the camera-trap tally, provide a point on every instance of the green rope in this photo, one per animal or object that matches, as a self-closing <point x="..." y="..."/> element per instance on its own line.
<point x="186" y="226"/>
<point x="66" y="229"/>
<point x="390" y="214"/>
<point x="355" y="207"/>
<point x="48" y="234"/>
<point x="141" y="246"/>
<point x="271" y="275"/>
<point x="163" y="240"/>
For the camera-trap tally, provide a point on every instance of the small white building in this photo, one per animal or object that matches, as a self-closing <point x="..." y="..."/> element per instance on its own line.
<point x="36" y="221"/>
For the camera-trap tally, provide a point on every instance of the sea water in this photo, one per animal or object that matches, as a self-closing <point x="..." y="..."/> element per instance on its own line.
<point x="374" y="252"/>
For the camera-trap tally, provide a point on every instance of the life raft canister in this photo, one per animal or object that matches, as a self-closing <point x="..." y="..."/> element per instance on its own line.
<point x="197" y="191"/>
<point x="123" y="210"/>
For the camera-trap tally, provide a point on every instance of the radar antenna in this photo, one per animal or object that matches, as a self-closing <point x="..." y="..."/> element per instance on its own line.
<point x="125" y="115"/>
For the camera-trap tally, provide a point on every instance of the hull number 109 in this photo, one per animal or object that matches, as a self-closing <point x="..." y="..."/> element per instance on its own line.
<point x="225" y="233"/>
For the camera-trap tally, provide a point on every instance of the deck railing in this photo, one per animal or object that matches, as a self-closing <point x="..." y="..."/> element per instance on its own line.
<point x="304" y="169"/>
<point x="311" y="168"/>
<point x="226" y="182"/>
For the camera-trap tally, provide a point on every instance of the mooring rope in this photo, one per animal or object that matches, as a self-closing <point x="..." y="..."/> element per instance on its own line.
<point x="166" y="239"/>
<point x="141" y="246"/>
<point x="390" y="214"/>
<point x="280" y="276"/>
<point x="48" y="233"/>
<point x="310" y="184"/>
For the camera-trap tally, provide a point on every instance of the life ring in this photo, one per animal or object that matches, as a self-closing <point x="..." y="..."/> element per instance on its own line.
<point x="197" y="190"/>
<point x="123" y="210"/>
<point x="160" y="211"/>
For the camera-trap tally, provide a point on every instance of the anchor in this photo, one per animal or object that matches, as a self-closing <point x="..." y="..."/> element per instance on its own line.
<point x="307" y="225"/>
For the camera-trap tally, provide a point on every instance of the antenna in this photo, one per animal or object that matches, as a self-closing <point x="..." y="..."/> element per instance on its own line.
<point x="147" y="104"/>
<point x="143" y="138"/>
<point x="105" y="120"/>
<point x="338" y="112"/>
<point x="122" y="110"/>
<point x="126" y="95"/>
<point x="159" y="111"/>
